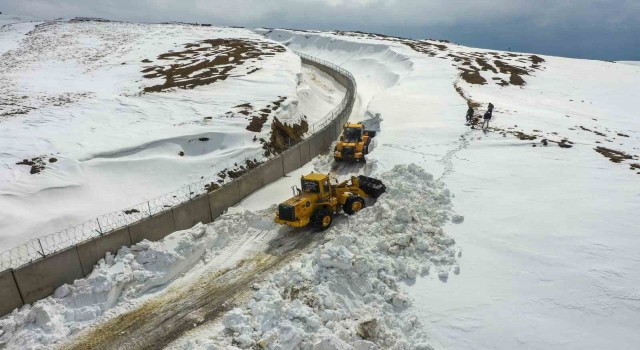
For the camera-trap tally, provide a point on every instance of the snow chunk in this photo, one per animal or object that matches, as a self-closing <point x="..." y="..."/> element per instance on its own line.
<point x="235" y="320"/>
<point x="346" y="294"/>
<point x="457" y="219"/>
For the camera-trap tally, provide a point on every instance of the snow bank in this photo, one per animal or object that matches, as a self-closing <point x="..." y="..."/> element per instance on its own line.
<point x="98" y="136"/>
<point x="347" y="293"/>
<point x="378" y="65"/>
<point x="550" y="231"/>
<point x="120" y="283"/>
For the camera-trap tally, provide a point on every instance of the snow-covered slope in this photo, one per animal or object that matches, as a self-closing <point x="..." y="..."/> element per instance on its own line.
<point x="549" y="232"/>
<point x="633" y="63"/>
<point x="85" y="130"/>
<point x="544" y="256"/>
<point x="12" y="28"/>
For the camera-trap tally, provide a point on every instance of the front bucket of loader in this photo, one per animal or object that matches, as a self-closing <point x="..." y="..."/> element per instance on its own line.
<point x="374" y="188"/>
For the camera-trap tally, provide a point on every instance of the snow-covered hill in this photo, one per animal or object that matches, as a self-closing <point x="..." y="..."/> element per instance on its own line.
<point x="544" y="253"/>
<point x="633" y="63"/>
<point x="549" y="233"/>
<point x="94" y="117"/>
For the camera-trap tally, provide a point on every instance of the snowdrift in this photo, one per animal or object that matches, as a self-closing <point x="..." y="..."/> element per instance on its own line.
<point x="82" y="125"/>
<point x="350" y="286"/>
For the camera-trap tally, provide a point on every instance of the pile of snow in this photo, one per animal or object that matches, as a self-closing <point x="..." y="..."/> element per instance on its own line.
<point x="347" y="293"/>
<point x="549" y="233"/>
<point x="122" y="282"/>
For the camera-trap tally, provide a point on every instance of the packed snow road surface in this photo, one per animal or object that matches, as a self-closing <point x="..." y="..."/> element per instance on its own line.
<point x="208" y="296"/>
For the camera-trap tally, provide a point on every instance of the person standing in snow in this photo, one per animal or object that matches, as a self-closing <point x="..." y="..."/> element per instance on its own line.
<point x="469" y="115"/>
<point x="487" y="116"/>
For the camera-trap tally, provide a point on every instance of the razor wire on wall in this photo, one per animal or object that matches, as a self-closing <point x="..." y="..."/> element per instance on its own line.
<point x="40" y="247"/>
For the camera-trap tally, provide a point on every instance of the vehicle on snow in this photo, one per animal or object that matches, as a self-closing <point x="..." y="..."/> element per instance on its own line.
<point x="353" y="143"/>
<point x="317" y="201"/>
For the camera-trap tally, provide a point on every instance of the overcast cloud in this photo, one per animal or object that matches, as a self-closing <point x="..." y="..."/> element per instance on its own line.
<point x="598" y="29"/>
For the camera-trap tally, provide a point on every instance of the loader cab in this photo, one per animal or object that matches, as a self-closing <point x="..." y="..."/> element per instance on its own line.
<point x="352" y="134"/>
<point x="316" y="183"/>
<point x="309" y="186"/>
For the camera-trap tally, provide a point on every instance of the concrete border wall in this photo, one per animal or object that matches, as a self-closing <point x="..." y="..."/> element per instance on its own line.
<point x="272" y="170"/>
<point x="225" y="197"/>
<point x="250" y="182"/>
<point x="10" y="297"/>
<point x="291" y="159"/>
<point x="39" y="279"/>
<point x="303" y="148"/>
<point x="187" y="214"/>
<point x="315" y="144"/>
<point x="329" y="135"/>
<point x="153" y="228"/>
<point x="91" y="251"/>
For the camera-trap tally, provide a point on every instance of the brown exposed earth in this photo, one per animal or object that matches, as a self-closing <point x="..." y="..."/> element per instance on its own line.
<point x="256" y="123"/>
<point x="37" y="164"/>
<point x="281" y="137"/>
<point x="210" y="187"/>
<point x="470" y="64"/>
<point x="593" y="131"/>
<point x="233" y="173"/>
<point x="207" y="61"/>
<point x="470" y="102"/>
<point x="284" y="135"/>
<point x="472" y="76"/>
<point x="159" y="321"/>
<point x="260" y="117"/>
<point x="473" y="66"/>
<point x="619" y="157"/>
<point x="613" y="155"/>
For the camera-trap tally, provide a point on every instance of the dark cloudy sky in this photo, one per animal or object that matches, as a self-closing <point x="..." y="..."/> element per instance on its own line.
<point x="598" y="29"/>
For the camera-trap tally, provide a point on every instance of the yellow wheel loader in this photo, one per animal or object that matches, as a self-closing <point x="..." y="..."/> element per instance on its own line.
<point x="353" y="143"/>
<point x="318" y="200"/>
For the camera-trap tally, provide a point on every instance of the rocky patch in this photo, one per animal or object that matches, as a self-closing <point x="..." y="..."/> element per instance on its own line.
<point x="207" y="61"/>
<point x="37" y="164"/>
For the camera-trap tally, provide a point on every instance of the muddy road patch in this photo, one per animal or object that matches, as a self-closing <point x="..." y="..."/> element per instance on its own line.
<point x="163" y="319"/>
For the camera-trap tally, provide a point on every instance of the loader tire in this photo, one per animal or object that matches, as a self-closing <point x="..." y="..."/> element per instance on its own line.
<point x="321" y="219"/>
<point x="365" y="148"/>
<point x="353" y="204"/>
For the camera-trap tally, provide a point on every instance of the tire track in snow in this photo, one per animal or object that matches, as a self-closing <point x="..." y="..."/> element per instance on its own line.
<point x="207" y="296"/>
<point x="163" y="319"/>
